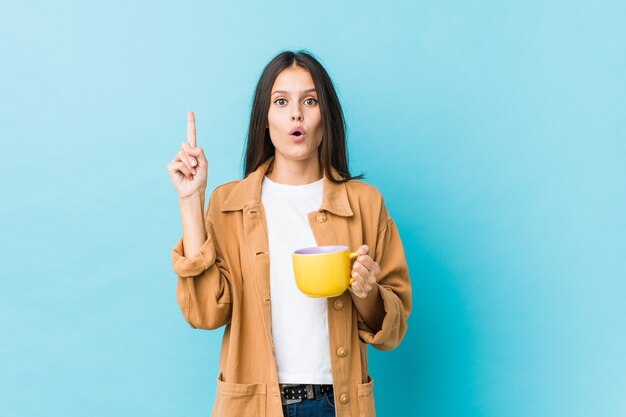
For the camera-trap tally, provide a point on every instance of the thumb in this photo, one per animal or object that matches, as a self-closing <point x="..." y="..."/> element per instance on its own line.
<point x="198" y="152"/>
<point x="363" y="250"/>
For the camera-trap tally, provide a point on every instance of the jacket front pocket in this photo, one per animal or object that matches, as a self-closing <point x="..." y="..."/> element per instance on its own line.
<point x="366" y="398"/>
<point x="237" y="400"/>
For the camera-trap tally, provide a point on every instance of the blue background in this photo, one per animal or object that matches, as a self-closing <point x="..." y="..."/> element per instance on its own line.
<point x="495" y="131"/>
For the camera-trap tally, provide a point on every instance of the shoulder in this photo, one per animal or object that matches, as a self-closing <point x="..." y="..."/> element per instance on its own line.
<point x="220" y="194"/>
<point x="225" y="189"/>
<point x="364" y="192"/>
<point x="367" y="200"/>
<point x="363" y="189"/>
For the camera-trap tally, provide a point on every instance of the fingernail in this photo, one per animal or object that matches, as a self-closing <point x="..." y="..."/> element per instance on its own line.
<point x="193" y="162"/>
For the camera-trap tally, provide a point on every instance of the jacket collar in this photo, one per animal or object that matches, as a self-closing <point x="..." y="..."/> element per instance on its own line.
<point x="248" y="191"/>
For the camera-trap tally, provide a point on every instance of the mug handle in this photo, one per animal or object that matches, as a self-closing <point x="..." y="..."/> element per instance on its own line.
<point x="353" y="255"/>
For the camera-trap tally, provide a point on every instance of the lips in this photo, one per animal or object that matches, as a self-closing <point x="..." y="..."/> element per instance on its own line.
<point x="297" y="131"/>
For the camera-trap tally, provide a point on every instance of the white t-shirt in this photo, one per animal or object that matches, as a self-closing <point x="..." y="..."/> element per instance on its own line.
<point x="299" y="323"/>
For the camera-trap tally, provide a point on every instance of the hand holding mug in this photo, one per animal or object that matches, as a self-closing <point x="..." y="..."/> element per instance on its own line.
<point x="325" y="271"/>
<point x="364" y="272"/>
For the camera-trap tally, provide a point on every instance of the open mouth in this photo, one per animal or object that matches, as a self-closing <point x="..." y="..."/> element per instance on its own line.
<point x="297" y="132"/>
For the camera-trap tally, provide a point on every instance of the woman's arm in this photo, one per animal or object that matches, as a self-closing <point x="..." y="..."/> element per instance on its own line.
<point x="365" y="293"/>
<point x="192" y="214"/>
<point x="392" y="288"/>
<point x="203" y="291"/>
<point x="371" y="309"/>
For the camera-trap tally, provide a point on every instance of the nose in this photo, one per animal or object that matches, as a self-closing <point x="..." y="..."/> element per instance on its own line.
<point x="297" y="114"/>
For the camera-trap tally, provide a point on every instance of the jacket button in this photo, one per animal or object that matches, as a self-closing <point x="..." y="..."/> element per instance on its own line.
<point x="343" y="399"/>
<point x="321" y="218"/>
<point x="342" y="352"/>
<point x="338" y="304"/>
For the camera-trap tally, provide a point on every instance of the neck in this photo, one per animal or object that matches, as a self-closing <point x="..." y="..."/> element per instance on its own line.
<point x="289" y="172"/>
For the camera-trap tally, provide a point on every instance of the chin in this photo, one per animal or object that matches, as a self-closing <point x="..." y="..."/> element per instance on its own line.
<point x="297" y="156"/>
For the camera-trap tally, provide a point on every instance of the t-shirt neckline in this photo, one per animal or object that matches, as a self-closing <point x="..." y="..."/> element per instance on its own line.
<point x="276" y="186"/>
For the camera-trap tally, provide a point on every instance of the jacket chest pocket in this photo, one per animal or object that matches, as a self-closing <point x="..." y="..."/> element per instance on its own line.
<point x="237" y="400"/>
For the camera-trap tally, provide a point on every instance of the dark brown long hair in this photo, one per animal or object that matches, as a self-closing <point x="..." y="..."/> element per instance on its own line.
<point x="332" y="150"/>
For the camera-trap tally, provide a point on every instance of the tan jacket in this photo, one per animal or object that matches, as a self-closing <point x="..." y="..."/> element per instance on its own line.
<point x="228" y="283"/>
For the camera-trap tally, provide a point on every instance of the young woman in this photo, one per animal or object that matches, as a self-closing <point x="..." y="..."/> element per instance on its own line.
<point x="284" y="353"/>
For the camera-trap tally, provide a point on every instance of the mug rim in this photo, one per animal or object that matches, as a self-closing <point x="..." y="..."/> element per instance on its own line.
<point x="330" y="249"/>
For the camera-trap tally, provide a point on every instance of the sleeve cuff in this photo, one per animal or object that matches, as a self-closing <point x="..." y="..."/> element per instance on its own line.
<point x="195" y="265"/>
<point x="390" y="323"/>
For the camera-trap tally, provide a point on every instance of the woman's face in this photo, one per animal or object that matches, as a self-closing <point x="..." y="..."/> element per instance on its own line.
<point x="294" y="104"/>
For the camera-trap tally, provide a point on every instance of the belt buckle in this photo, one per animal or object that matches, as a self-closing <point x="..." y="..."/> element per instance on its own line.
<point x="309" y="392"/>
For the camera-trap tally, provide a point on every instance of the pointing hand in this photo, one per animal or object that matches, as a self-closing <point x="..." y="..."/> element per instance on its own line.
<point x="188" y="169"/>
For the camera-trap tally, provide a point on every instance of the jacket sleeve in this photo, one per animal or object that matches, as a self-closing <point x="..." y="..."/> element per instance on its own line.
<point x="394" y="286"/>
<point x="203" y="291"/>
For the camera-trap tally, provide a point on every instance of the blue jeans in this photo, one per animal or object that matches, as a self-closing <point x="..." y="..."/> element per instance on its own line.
<point x="324" y="407"/>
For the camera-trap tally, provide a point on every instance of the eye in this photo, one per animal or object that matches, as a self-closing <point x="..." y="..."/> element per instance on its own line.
<point x="280" y="101"/>
<point x="310" y="101"/>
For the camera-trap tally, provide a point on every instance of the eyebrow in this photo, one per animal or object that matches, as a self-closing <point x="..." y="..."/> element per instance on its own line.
<point x="287" y="92"/>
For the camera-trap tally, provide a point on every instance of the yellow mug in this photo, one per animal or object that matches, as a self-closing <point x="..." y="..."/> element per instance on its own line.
<point x="323" y="271"/>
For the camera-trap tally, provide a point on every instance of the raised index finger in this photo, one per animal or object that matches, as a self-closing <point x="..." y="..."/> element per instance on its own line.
<point x="191" y="129"/>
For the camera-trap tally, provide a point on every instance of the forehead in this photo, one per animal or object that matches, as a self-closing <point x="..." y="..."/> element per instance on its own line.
<point x="293" y="80"/>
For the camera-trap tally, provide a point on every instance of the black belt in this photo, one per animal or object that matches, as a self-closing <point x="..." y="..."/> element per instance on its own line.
<point x="304" y="392"/>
